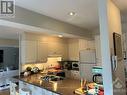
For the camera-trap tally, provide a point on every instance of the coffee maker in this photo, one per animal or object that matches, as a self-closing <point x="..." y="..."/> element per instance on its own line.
<point x="97" y="74"/>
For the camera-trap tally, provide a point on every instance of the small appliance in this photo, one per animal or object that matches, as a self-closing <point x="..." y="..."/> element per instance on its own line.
<point x="66" y="65"/>
<point x="97" y="74"/>
<point x="75" y="65"/>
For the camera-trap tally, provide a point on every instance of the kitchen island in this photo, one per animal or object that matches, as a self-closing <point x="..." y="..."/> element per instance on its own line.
<point x="40" y="87"/>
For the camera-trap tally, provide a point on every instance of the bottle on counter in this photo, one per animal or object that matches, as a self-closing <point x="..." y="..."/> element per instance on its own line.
<point x="83" y="84"/>
<point x="96" y="90"/>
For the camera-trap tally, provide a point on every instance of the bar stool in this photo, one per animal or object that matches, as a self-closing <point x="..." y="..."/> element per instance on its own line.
<point x="24" y="91"/>
<point x="13" y="89"/>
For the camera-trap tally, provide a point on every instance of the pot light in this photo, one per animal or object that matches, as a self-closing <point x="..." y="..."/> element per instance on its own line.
<point x="72" y="13"/>
<point x="60" y="36"/>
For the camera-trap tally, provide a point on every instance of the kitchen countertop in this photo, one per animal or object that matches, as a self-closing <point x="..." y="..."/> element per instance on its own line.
<point x="63" y="87"/>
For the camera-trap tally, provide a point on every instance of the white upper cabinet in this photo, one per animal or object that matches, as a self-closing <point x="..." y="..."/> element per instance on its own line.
<point x="98" y="50"/>
<point x="76" y="45"/>
<point x="42" y="52"/>
<point x="33" y="52"/>
<point x="28" y="51"/>
<point x="73" y="50"/>
<point x="86" y="44"/>
<point x="58" y="49"/>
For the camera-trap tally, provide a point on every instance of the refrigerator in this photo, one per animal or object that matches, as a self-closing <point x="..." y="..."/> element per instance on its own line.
<point x="87" y="60"/>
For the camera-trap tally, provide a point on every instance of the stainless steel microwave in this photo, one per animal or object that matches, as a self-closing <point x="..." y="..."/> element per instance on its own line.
<point x="75" y="65"/>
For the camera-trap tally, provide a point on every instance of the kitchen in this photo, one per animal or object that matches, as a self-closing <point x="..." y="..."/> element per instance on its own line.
<point x="58" y="57"/>
<point x="57" y="64"/>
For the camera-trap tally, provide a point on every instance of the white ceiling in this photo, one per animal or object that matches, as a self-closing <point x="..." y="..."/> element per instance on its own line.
<point x="13" y="33"/>
<point x="86" y="17"/>
<point x="8" y="33"/>
<point x="86" y="10"/>
<point x="122" y="4"/>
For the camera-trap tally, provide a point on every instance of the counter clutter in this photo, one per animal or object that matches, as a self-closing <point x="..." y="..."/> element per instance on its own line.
<point x="62" y="87"/>
<point x="53" y="81"/>
<point x="67" y="86"/>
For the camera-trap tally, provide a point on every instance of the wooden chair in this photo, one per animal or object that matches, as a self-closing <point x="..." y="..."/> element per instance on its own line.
<point x="13" y="89"/>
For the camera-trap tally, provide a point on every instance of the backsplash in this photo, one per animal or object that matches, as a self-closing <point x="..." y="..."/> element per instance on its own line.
<point x="52" y="61"/>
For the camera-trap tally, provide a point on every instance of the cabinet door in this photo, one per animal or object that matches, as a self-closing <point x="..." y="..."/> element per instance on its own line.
<point x="58" y="49"/>
<point x="73" y="49"/>
<point x="98" y="50"/>
<point x="37" y="91"/>
<point x="42" y="53"/>
<point x="68" y="73"/>
<point x="75" y="74"/>
<point x="28" y="51"/>
<point x="83" y="44"/>
<point x="22" y="85"/>
<point x="91" y="44"/>
<point x="86" y="44"/>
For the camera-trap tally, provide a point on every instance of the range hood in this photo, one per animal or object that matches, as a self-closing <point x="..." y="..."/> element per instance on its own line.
<point x="54" y="55"/>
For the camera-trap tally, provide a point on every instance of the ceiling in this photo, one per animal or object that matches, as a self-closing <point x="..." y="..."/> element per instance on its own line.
<point x="86" y="13"/>
<point x="122" y="4"/>
<point x="86" y="10"/>
<point x="13" y="33"/>
<point x="8" y="33"/>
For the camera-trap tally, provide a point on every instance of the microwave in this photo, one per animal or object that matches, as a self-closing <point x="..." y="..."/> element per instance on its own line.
<point x="75" y="65"/>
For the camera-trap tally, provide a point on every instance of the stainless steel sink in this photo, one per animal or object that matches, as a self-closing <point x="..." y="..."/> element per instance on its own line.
<point x="51" y="78"/>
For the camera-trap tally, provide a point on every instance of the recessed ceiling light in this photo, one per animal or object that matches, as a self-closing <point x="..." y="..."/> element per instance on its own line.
<point x="60" y="36"/>
<point x="72" y="13"/>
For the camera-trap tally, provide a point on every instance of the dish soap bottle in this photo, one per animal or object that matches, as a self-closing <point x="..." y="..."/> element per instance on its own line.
<point x="96" y="89"/>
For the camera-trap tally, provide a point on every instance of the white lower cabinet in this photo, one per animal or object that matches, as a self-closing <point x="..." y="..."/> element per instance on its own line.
<point x="72" y="74"/>
<point x="48" y="92"/>
<point x="67" y="73"/>
<point x="75" y="74"/>
<point x="35" y="90"/>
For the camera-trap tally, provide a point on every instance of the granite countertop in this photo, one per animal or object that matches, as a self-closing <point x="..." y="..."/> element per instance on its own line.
<point x="63" y="87"/>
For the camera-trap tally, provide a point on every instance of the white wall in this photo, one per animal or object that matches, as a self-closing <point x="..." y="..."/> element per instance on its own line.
<point x="50" y="63"/>
<point x="9" y="42"/>
<point x="110" y="21"/>
<point x="124" y="27"/>
<point x="124" y="31"/>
